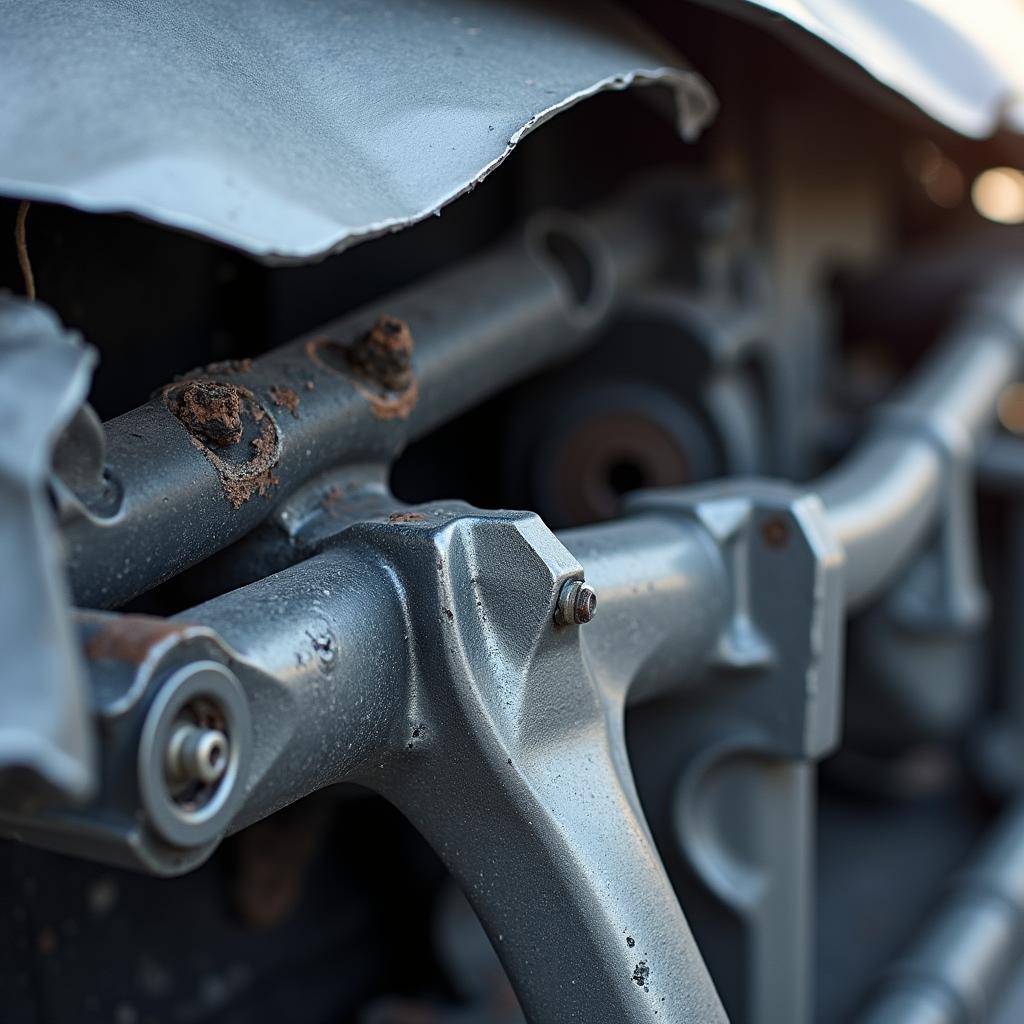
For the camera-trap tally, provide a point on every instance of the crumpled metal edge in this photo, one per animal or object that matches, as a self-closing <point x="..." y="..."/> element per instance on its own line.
<point x="695" y="103"/>
<point x="696" y="107"/>
<point x="46" y="730"/>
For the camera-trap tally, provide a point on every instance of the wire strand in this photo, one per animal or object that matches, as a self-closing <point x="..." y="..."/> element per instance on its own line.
<point x="22" y="245"/>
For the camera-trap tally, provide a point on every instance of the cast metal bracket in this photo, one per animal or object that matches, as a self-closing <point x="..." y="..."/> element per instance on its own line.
<point x="740" y="797"/>
<point x="777" y="662"/>
<point x="419" y="650"/>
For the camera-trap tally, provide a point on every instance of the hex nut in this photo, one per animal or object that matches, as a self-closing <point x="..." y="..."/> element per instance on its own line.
<point x="577" y="604"/>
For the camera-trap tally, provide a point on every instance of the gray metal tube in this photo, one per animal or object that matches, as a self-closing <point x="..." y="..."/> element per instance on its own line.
<point x="366" y="664"/>
<point x="324" y="631"/>
<point x="882" y="501"/>
<point x="956" y="970"/>
<point x="1001" y="465"/>
<point x="885" y="498"/>
<point x="477" y="328"/>
<point x="662" y="600"/>
<point x="330" y="632"/>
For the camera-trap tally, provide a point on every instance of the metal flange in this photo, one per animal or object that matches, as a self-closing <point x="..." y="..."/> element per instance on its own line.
<point x="189" y="808"/>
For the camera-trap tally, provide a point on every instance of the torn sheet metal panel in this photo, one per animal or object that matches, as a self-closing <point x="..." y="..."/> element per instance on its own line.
<point x="47" y="746"/>
<point x="293" y="130"/>
<point x="959" y="62"/>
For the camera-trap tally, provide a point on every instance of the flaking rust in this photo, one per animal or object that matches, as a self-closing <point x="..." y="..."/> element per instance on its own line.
<point x="285" y="398"/>
<point x="379" y="365"/>
<point x="126" y="638"/>
<point x="406" y="517"/>
<point x="383" y="355"/>
<point x="255" y="476"/>
<point x="210" y="410"/>
<point x="217" y="416"/>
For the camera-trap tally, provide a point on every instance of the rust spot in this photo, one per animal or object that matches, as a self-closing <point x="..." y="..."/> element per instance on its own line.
<point x="285" y="398"/>
<point x="395" y="407"/>
<point x="228" y="366"/>
<point x="379" y="364"/>
<point x="406" y="517"/>
<point x="775" y="532"/>
<point x="335" y="501"/>
<point x="241" y="487"/>
<point x="383" y="355"/>
<point x="243" y="472"/>
<point x="126" y="638"/>
<point x="210" y="410"/>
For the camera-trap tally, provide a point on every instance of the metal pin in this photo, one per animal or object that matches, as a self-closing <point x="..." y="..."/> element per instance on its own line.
<point x="197" y="755"/>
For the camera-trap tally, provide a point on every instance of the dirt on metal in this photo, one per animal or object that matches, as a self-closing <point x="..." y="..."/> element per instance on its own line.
<point x="285" y="398"/>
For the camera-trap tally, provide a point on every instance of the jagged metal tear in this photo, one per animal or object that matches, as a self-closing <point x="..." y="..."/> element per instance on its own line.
<point x="292" y="130"/>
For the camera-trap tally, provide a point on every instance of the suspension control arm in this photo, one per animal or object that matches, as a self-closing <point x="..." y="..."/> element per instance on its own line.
<point x="207" y="458"/>
<point x="425" y="647"/>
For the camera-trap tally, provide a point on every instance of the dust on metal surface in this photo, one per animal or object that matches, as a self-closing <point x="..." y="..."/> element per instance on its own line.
<point x="295" y="130"/>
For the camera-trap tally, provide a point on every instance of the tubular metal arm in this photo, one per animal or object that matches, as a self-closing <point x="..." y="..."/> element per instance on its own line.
<point x="418" y="653"/>
<point x="420" y="658"/>
<point x="886" y="497"/>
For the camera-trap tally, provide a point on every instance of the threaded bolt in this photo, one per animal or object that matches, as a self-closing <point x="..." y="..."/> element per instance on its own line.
<point x="195" y="754"/>
<point x="576" y="603"/>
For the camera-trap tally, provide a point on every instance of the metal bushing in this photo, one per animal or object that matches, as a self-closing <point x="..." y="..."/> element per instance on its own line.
<point x="194" y="754"/>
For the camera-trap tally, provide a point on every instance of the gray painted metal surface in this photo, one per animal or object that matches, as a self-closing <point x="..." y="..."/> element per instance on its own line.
<point x="960" y="63"/>
<point x="745" y="741"/>
<point x="960" y="964"/>
<point x="422" y="646"/>
<point x="411" y="649"/>
<point x="178" y="497"/>
<point x="294" y="130"/>
<point x="914" y="469"/>
<point x="419" y="651"/>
